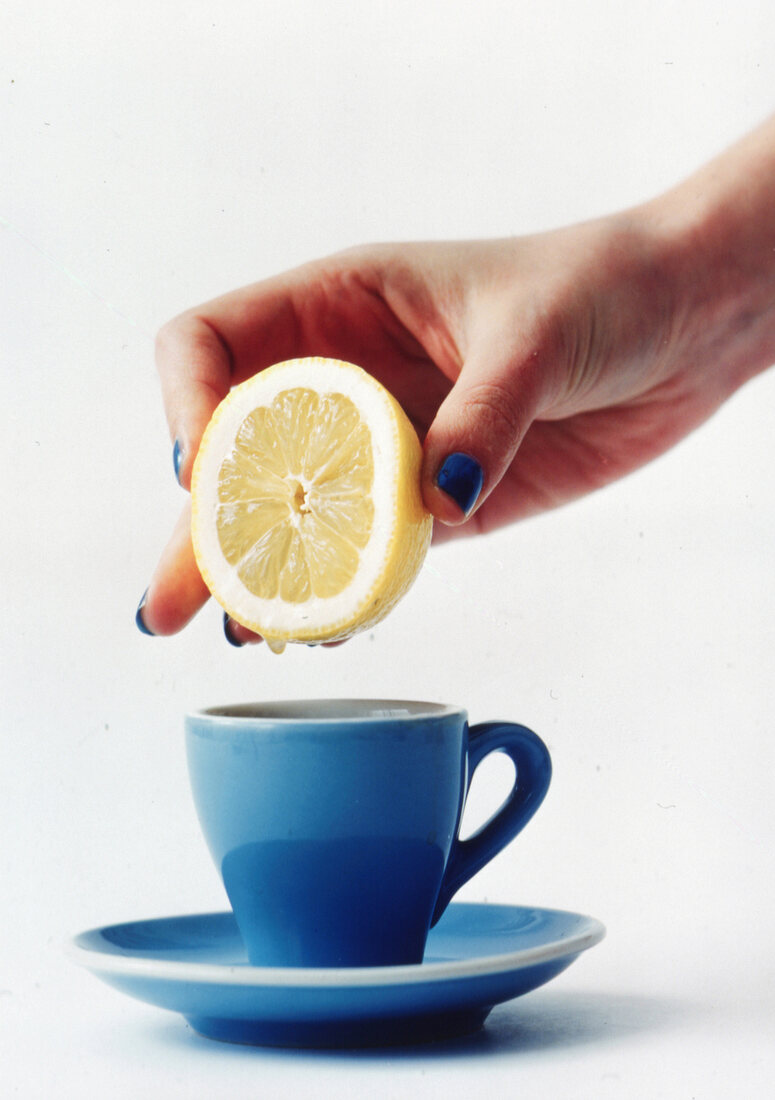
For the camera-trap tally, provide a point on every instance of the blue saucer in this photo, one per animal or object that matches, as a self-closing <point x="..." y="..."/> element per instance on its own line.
<point x="477" y="956"/>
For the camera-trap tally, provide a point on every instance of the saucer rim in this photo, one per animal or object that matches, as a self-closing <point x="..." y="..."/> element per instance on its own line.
<point x="590" y="934"/>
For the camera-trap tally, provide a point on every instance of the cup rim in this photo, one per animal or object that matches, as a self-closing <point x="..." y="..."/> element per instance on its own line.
<point x="324" y="711"/>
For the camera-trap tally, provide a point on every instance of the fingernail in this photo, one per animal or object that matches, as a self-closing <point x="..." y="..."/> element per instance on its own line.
<point x="227" y="631"/>
<point x="139" y="616"/>
<point x="461" y="478"/>
<point x="177" y="458"/>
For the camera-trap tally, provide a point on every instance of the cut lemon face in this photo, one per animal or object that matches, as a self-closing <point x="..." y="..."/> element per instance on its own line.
<point x="307" y="519"/>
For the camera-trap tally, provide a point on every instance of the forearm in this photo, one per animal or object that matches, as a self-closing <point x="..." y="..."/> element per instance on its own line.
<point x="721" y="225"/>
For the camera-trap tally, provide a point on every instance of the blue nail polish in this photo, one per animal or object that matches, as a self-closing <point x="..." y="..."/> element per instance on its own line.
<point x="139" y="620"/>
<point x="229" y="636"/>
<point x="461" y="478"/>
<point x="177" y="458"/>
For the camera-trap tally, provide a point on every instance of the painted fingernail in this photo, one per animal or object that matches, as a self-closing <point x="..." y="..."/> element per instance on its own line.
<point x="177" y="458"/>
<point x="141" y="626"/>
<point x="227" y="631"/>
<point x="461" y="478"/>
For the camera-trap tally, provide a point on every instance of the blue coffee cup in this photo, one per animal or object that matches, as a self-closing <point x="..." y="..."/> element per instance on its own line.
<point x="334" y="823"/>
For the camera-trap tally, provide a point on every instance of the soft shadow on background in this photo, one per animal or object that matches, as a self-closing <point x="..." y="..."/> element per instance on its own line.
<point x="153" y="155"/>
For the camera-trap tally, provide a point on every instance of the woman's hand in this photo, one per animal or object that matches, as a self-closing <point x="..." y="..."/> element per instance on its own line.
<point x="535" y="369"/>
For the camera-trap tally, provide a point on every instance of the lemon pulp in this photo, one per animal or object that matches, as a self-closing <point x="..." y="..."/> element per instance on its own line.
<point x="294" y="508"/>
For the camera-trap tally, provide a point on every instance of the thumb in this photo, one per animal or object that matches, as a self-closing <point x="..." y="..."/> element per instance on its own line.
<point x="477" y="431"/>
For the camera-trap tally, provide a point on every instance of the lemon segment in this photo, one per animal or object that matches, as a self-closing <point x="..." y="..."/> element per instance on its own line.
<point x="308" y="523"/>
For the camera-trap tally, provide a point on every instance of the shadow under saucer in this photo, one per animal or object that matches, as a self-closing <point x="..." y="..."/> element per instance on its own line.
<point x="478" y="956"/>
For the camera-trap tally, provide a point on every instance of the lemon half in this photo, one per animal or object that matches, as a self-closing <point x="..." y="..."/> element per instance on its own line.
<point x="308" y="522"/>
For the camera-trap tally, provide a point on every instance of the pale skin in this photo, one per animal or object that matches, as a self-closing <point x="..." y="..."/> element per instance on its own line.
<point x="559" y="362"/>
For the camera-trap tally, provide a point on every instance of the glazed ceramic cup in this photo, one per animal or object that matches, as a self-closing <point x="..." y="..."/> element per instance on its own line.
<point x="334" y="823"/>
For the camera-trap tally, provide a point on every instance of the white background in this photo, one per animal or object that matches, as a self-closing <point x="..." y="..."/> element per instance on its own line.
<point x="156" y="154"/>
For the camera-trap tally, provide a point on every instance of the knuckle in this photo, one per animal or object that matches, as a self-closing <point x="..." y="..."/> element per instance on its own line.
<point x="170" y="334"/>
<point x="497" y="411"/>
<point x="187" y="338"/>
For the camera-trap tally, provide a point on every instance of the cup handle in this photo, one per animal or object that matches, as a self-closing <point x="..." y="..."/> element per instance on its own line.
<point x="534" y="772"/>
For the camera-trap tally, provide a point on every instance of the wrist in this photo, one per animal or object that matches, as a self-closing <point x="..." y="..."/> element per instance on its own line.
<point x="715" y="236"/>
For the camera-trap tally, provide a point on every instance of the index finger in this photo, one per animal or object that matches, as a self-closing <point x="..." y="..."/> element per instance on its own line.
<point x="203" y="352"/>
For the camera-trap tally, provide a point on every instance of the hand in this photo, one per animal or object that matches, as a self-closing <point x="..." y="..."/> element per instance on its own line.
<point x="554" y="363"/>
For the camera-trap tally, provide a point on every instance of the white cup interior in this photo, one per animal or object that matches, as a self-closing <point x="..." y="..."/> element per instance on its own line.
<point x="333" y="710"/>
